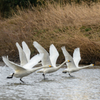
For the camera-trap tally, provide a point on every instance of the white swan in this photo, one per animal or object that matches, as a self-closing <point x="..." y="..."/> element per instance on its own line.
<point x="22" y="71"/>
<point x="48" y="60"/>
<point x="73" y="66"/>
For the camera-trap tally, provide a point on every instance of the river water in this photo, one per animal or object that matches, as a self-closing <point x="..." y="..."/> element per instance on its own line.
<point x="85" y="85"/>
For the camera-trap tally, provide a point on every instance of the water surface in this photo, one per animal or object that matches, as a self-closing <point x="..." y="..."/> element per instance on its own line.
<point x="85" y="85"/>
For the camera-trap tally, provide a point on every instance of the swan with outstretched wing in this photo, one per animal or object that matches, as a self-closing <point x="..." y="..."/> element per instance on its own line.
<point x="73" y="66"/>
<point x="22" y="71"/>
<point x="47" y="59"/>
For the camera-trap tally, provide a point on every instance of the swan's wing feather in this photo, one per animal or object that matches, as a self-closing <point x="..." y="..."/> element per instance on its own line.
<point x="14" y="66"/>
<point x="53" y="55"/>
<point x="41" y="50"/>
<point x="68" y="57"/>
<point x="22" y="56"/>
<point x="26" y="50"/>
<point x="76" y="56"/>
<point x="33" y="61"/>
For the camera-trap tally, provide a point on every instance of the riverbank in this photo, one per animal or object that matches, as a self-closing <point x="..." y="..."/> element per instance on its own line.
<point x="71" y="26"/>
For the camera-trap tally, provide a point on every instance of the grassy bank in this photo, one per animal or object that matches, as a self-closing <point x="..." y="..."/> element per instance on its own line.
<point x="70" y="25"/>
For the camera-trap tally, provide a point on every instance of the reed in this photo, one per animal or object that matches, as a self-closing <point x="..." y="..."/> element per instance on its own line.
<point x="70" y="25"/>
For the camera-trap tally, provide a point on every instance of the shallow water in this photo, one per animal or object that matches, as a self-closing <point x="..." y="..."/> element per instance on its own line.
<point x="85" y="85"/>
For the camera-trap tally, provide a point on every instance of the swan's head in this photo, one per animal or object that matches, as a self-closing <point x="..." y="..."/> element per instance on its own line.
<point x="68" y="61"/>
<point x="50" y="66"/>
<point x="91" y="64"/>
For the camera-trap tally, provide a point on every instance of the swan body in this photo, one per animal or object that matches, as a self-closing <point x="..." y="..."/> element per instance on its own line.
<point x="52" y="69"/>
<point x="73" y="66"/>
<point x="71" y="70"/>
<point x="48" y="60"/>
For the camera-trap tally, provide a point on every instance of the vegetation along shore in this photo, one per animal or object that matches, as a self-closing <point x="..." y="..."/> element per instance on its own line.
<point x="62" y="24"/>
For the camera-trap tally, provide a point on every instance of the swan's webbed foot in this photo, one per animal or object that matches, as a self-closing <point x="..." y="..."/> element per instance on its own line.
<point x="21" y="80"/>
<point x="43" y="76"/>
<point x="64" y="72"/>
<point x="10" y="76"/>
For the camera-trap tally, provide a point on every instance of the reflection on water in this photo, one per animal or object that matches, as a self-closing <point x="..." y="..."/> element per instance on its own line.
<point x="85" y="85"/>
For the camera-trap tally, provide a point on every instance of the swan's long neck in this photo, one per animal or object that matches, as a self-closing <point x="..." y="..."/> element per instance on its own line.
<point x="61" y="65"/>
<point x="37" y="68"/>
<point x="85" y="66"/>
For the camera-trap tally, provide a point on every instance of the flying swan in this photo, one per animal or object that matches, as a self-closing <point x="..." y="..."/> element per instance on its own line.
<point x="73" y="66"/>
<point x="22" y="71"/>
<point x="48" y="60"/>
<point x="26" y="64"/>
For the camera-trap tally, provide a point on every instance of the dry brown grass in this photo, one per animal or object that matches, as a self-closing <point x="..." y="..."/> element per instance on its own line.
<point x="72" y="26"/>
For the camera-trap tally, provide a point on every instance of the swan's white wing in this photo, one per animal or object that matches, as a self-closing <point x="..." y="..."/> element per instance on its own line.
<point x="46" y="59"/>
<point x="68" y="57"/>
<point x="76" y="56"/>
<point x="26" y="50"/>
<point x="14" y="66"/>
<point x="53" y="55"/>
<point x="34" y="61"/>
<point x="22" y="56"/>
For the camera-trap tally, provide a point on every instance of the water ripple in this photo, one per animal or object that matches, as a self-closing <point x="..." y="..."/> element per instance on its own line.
<point x="85" y="85"/>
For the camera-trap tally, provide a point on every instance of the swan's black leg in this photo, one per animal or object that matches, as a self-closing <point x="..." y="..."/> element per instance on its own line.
<point x="43" y="76"/>
<point x="70" y="75"/>
<point x="10" y="76"/>
<point x="21" y="80"/>
<point x="64" y="72"/>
